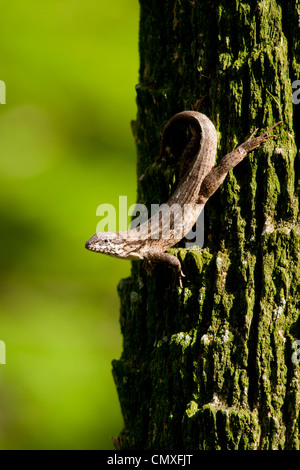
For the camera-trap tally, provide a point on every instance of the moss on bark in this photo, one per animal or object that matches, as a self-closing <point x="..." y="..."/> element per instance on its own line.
<point x="209" y="366"/>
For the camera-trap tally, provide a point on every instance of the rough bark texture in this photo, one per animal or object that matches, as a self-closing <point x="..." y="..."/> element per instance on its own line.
<point x="209" y="366"/>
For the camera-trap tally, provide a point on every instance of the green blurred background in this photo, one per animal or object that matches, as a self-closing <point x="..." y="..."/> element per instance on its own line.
<point x="70" y="69"/>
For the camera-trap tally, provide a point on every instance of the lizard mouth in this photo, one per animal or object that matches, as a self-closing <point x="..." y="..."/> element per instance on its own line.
<point x="97" y="245"/>
<point x="91" y="246"/>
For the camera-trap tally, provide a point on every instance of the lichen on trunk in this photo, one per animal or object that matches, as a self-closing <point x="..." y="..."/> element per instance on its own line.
<point x="210" y="366"/>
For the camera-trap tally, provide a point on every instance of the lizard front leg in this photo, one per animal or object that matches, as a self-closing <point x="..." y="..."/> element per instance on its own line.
<point x="162" y="257"/>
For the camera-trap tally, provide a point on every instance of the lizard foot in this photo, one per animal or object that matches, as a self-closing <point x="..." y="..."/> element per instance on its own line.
<point x="148" y="266"/>
<point x="166" y="258"/>
<point x="180" y="276"/>
<point x="255" y="142"/>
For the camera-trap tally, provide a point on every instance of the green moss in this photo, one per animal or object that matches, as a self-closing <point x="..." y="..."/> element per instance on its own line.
<point x="182" y="339"/>
<point x="209" y="366"/>
<point x="192" y="409"/>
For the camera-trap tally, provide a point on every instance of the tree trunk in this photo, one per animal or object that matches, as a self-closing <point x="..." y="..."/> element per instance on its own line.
<point x="211" y="366"/>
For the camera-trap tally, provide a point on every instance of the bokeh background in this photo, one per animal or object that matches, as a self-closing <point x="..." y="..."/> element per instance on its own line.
<point x="70" y="69"/>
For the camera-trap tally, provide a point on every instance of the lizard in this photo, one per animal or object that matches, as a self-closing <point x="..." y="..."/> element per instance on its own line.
<point x="147" y="242"/>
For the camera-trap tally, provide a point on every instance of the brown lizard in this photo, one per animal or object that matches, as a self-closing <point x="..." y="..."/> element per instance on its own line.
<point x="161" y="231"/>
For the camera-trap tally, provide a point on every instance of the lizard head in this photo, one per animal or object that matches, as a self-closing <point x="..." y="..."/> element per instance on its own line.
<point x="107" y="242"/>
<point x="112" y="244"/>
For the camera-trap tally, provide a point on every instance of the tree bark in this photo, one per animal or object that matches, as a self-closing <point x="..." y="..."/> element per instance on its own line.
<point x="210" y="366"/>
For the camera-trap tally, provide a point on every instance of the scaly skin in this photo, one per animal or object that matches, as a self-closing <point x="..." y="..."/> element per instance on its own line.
<point x="160" y="232"/>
